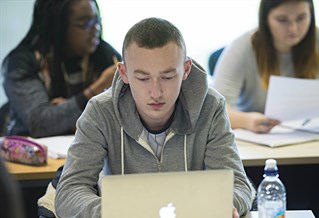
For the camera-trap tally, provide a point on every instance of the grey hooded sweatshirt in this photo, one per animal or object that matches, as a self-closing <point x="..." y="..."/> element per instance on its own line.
<point x="109" y="135"/>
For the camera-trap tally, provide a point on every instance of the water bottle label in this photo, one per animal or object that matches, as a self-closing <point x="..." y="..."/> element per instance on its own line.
<point x="271" y="210"/>
<point x="280" y="214"/>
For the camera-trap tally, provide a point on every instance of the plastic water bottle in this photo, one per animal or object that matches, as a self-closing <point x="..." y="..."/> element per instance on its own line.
<point x="271" y="193"/>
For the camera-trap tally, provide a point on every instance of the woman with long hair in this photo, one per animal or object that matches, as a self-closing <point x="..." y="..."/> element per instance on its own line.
<point x="285" y="43"/>
<point x="59" y="65"/>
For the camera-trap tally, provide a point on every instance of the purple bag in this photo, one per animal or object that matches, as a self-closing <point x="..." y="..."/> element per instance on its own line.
<point x="23" y="150"/>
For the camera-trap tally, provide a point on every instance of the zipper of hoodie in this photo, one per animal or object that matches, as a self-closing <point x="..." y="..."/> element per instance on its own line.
<point x="160" y="161"/>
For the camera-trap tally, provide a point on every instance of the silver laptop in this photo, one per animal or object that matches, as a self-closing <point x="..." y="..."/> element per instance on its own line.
<point x="203" y="194"/>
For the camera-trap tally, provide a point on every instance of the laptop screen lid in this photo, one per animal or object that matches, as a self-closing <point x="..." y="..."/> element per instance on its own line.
<point x="204" y="194"/>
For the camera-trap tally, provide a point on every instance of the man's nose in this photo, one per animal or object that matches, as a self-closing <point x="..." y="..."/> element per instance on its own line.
<point x="156" y="89"/>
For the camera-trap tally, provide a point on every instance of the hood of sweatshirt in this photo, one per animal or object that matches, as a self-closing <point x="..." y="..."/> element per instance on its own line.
<point x="189" y="104"/>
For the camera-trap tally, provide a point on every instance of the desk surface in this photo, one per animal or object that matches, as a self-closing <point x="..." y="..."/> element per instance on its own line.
<point x="26" y="172"/>
<point x="289" y="214"/>
<point x="251" y="155"/>
<point x="255" y="155"/>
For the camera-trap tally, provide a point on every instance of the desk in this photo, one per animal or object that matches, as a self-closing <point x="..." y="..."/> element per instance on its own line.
<point x="255" y="155"/>
<point x="34" y="179"/>
<point x="26" y="172"/>
<point x="250" y="153"/>
<point x="289" y="214"/>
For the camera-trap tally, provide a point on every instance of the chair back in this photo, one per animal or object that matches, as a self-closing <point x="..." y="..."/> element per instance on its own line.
<point x="213" y="58"/>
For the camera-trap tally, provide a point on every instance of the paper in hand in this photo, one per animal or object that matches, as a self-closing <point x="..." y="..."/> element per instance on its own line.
<point x="291" y="98"/>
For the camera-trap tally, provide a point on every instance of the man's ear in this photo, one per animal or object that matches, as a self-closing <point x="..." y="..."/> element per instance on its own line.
<point x="187" y="68"/>
<point x="122" y="71"/>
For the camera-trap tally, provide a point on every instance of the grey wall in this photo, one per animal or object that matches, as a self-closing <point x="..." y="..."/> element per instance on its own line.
<point x="15" y="20"/>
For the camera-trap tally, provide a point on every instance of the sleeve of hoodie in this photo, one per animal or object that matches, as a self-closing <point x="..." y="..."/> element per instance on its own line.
<point x="222" y="153"/>
<point x="29" y="98"/>
<point x="76" y="195"/>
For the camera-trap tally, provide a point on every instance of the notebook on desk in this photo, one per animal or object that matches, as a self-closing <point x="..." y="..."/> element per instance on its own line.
<point x="57" y="145"/>
<point x="280" y="135"/>
<point x="202" y="194"/>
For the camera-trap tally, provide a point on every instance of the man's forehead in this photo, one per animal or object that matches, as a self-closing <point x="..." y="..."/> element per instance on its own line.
<point x="134" y="46"/>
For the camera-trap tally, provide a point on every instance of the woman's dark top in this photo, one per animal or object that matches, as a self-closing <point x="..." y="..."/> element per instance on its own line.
<point x="31" y="112"/>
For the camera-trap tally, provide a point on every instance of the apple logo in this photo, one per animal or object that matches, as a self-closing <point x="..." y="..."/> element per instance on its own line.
<point x="167" y="211"/>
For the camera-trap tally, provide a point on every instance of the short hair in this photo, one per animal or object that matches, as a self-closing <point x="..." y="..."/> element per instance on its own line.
<point x="153" y="33"/>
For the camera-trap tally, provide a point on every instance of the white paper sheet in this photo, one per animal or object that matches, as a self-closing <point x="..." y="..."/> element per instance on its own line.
<point x="57" y="145"/>
<point x="307" y="125"/>
<point x="291" y="98"/>
<point x="278" y="136"/>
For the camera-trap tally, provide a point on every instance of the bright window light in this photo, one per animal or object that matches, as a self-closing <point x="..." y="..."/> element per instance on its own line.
<point x="205" y="24"/>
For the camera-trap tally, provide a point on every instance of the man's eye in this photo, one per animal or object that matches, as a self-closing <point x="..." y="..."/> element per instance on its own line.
<point x="142" y="79"/>
<point x="167" y="77"/>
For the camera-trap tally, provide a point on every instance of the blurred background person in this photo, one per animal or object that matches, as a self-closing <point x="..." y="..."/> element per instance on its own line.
<point x="58" y="66"/>
<point x="285" y="43"/>
<point x="10" y="201"/>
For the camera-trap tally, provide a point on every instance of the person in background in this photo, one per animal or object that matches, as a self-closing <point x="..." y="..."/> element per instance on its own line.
<point x="285" y="43"/>
<point x="159" y="116"/>
<point x="58" y="66"/>
<point x="11" y="199"/>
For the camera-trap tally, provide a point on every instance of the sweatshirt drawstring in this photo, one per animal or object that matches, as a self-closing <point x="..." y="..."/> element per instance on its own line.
<point x="122" y="152"/>
<point x="185" y="152"/>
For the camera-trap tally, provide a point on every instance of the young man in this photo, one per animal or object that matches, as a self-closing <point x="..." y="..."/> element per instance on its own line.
<point x="159" y="116"/>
